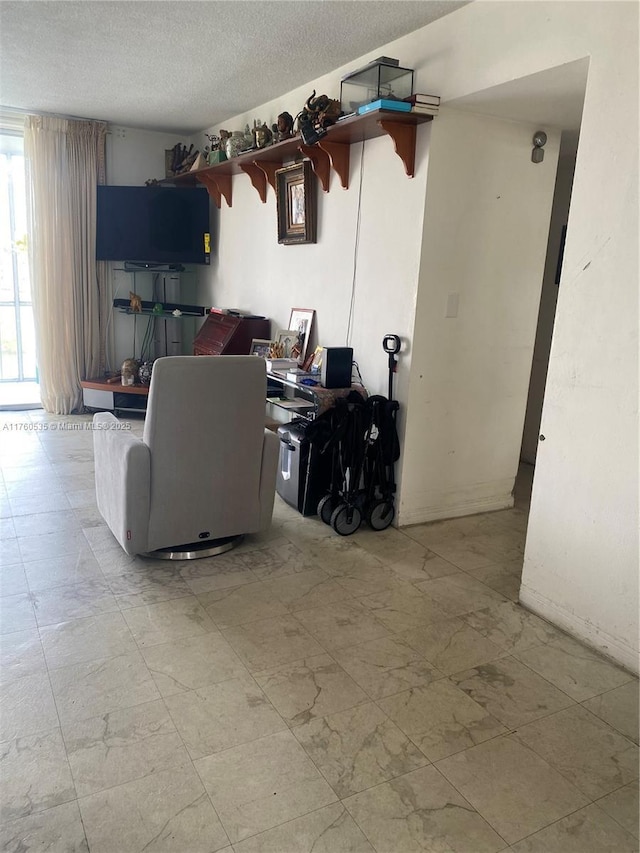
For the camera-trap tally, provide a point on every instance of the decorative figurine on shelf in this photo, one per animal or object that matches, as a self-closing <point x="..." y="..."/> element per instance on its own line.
<point x="213" y="140"/>
<point x="234" y="144"/>
<point x="263" y="136"/>
<point x="249" y="141"/>
<point x="216" y="154"/>
<point x="316" y="115"/>
<point x="284" y="127"/>
<point x="135" y="302"/>
<point x="158" y="308"/>
<point x="129" y="371"/>
<point x="182" y="159"/>
<point x="144" y="372"/>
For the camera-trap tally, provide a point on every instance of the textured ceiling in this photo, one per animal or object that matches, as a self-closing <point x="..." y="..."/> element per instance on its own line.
<point x="184" y="66"/>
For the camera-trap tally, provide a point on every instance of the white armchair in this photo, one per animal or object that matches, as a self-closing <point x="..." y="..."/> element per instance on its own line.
<point x="204" y="472"/>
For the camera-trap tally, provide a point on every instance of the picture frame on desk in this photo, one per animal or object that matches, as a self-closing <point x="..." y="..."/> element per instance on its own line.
<point x="301" y="320"/>
<point x="260" y="347"/>
<point x="287" y="338"/>
<point x="296" y="204"/>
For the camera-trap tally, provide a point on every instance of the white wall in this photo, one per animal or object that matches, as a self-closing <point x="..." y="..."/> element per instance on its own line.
<point x="133" y="155"/>
<point x="253" y="272"/>
<point x="581" y="562"/>
<point x="581" y="566"/>
<point x="483" y="252"/>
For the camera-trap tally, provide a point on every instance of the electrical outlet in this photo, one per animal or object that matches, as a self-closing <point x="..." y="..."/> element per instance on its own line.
<point x="453" y="303"/>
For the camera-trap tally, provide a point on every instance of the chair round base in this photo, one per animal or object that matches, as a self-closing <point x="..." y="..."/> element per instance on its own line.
<point x="197" y="550"/>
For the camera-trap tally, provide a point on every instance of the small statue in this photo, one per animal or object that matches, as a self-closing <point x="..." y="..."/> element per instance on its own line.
<point x="144" y="372"/>
<point x="263" y="136"/>
<point x="135" y="302"/>
<point x="284" y="127"/>
<point x="319" y="113"/>
<point x="214" y="140"/>
<point x="215" y="154"/>
<point x="129" y="371"/>
<point x="224" y="135"/>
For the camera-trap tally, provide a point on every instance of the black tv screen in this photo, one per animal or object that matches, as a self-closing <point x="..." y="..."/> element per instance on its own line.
<point x="159" y="225"/>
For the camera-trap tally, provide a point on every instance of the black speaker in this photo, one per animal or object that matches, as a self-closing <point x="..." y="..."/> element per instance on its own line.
<point x="335" y="370"/>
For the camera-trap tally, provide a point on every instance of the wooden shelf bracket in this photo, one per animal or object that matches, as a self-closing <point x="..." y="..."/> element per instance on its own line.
<point x="217" y="186"/>
<point x="269" y="168"/>
<point x="258" y="178"/>
<point x="404" y="140"/>
<point x="339" y="155"/>
<point x="320" y="162"/>
<point x="262" y="172"/>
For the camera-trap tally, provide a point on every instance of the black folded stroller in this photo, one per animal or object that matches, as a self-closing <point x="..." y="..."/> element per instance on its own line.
<point x="362" y="438"/>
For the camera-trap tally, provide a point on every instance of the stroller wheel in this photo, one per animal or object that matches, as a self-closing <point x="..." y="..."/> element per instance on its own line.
<point x="346" y="519"/>
<point x="326" y="506"/>
<point x="380" y="514"/>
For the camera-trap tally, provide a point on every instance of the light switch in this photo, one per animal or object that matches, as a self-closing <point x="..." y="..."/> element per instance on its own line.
<point x="453" y="302"/>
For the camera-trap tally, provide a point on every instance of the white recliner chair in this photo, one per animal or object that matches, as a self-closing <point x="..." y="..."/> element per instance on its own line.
<point x="204" y="472"/>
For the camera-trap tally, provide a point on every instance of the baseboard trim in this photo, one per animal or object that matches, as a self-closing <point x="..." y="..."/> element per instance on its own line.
<point x="612" y="647"/>
<point x="422" y="515"/>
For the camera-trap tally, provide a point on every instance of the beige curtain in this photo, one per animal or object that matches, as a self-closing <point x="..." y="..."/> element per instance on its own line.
<point x="65" y="161"/>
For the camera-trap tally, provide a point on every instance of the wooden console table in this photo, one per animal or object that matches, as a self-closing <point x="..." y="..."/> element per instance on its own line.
<point x="114" y="397"/>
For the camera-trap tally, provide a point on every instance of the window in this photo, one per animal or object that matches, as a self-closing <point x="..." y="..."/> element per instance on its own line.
<point x="17" y="338"/>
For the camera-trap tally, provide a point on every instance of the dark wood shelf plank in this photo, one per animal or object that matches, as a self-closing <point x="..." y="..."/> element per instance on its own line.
<point x="115" y="386"/>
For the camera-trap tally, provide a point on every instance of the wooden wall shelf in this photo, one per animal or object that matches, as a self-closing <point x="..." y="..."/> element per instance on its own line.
<point x="331" y="152"/>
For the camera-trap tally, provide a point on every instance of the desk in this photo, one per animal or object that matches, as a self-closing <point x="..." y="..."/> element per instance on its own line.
<point x="304" y="401"/>
<point x="114" y="397"/>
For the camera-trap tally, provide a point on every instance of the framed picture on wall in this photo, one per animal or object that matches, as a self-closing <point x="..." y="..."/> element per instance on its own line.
<point x="296" y="204"/>
<point x="301" y="320"/>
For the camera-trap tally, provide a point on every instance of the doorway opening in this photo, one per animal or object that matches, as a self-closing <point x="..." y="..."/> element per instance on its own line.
<point x="552" y="99"/>
<point x="549" y="296"/>
<point x="18" y="368"/>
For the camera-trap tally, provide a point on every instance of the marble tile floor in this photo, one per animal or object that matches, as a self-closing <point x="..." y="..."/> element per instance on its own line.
<point x="382" y="692"/>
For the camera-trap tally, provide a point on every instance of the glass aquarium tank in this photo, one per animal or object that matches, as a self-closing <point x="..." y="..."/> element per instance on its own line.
<point x="381" y="79"/>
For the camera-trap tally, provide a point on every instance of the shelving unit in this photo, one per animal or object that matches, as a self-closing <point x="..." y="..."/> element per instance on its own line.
<point x="186" y="311"/>
<point x="332" y="152"/>
<point x="103" y="395"/>
<point x="163" y="286"/>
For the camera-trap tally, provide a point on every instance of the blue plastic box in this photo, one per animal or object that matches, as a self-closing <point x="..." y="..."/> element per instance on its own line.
<point x="383" y="104"/>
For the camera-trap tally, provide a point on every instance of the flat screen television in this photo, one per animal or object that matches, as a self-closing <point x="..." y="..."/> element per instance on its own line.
<point x="153" y="225"/>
